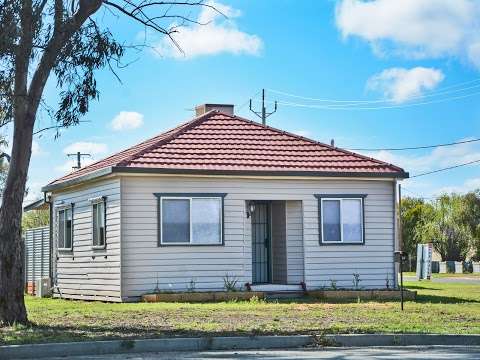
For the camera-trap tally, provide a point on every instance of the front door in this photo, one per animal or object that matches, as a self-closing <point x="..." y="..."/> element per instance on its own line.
<point x="261" y="243"/>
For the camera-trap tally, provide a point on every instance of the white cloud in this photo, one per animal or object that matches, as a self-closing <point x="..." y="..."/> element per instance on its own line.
<point x="33" y="192"/>
<point x="468" y="185"/>
<point x="439" y="157"/>
<point x="86" y="147"/>
<point x="214" y="34"/>
<point x="127" y="120"/>
<point x="414" y="28"/>
<point x="68" y="166"/>
<point x="36" y="149"/>
<point x="304" y="133"/>
<point x="400" y="85"/>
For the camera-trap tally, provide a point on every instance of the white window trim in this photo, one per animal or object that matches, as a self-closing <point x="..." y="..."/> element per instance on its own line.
<point x="190" y="198"/>
<point x="57" y="210"/>
<point x="95" y="201"/>
<point x="362" y="240"/>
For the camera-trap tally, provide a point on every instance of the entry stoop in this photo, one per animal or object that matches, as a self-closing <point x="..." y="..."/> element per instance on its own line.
<point x="280" y="291"/>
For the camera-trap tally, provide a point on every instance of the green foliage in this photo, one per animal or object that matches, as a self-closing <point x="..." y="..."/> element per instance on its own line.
<point x="230" y="282"/>
<point x="451" y="223"/>
<point x="34" y="219"/>
<point x="472" y="219"/>
<point x="414" y="213"/>
<point x="447" y="227"/>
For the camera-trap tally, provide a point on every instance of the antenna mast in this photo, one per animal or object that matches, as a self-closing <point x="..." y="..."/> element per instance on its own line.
<point x="79" y="159"/>
<point x="263" y="114"/>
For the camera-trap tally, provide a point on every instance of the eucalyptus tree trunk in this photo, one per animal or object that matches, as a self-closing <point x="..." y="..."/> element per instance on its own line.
<point x="12" y="306"/>
<point x="26" y="100"/>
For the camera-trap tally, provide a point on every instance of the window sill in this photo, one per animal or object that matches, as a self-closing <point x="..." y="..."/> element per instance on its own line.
<point x="64" y="250"/>
<point x="188" y="244"/>
<point x="331" y="243"/>
<point x="101" y="247"/>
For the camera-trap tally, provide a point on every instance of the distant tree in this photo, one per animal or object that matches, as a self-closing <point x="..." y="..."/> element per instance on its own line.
<point x="68" y="39"/>
<point x="445" y="227"/>
<point x="414" y="213"/>
<point x="472" y="219"/>
<point x="35" y="218"/>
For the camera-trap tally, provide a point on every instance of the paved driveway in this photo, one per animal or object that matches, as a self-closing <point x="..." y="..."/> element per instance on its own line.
<point x="404" y="353"/>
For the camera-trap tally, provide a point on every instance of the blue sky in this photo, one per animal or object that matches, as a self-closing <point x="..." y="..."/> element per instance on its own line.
<point x="419" y="64"/>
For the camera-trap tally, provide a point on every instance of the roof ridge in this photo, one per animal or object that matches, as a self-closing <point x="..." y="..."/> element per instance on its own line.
<point x="174" y="133"/>
<point x="316" y="142"/>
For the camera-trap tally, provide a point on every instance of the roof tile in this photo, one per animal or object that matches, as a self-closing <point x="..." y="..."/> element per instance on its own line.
<point x="217" y="141"/>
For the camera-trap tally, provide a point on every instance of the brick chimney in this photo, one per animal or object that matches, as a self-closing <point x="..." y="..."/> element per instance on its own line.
<point x="204" y="108"/>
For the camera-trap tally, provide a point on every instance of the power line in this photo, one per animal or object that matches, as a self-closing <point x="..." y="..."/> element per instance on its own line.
<point x="445" y="169"/>
<point x="339" y="107"/>
<point x="442" y="91"/>
<point x="416" y="147"/>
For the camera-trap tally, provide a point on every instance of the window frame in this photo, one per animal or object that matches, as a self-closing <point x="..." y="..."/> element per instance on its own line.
<point x="325" y="197"/>
<point x="190" y="197"/>
<point x="59" y="209"/>
<point x="93" y="202"/>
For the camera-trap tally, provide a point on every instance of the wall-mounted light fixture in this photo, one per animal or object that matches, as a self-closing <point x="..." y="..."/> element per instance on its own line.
<point x="250" y="208"/>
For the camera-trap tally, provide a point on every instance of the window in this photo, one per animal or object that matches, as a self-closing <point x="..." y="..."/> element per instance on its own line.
<point x="65" y="229"/>
<point x="98" y="224"/>
<point x="341" y="219"/>
<point x="190" y="220"/>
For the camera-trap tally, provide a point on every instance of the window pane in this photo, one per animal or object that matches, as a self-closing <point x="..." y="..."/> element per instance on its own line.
<point x="101" y="224"/>
<point x="352" y="220"/>
<point x="175" y="220"/>
<point x="95" y="224"/>
<point x="206" y="221"/>
<point x="61" y="229"/>
<point x="68" y="228"/>
<point x="331" y="220"/>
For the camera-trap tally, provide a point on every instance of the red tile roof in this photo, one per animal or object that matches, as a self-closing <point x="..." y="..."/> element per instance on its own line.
<point x="219" y="143"/>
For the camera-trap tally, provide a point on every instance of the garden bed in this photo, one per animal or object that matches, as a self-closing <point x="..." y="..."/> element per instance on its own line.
<point x="202" y="296"/>
<point x="363" y="294"/>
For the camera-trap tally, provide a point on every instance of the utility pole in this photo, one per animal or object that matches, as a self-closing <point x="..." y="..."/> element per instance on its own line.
<point x="263" y="114"/>
<point x="79" y="155"/>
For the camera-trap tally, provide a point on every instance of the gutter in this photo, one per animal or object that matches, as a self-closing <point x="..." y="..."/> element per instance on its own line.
<point x="48" y="201"/>
<point x="90" y="176"/>
<point x="134" y="170"/>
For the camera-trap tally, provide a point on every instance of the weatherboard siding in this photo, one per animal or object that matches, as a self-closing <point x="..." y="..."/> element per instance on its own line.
<point x="295" y="264"/>
<point x="146" y="266"/>
<point x="85" y="273"/>
<point x="279" y="242"/>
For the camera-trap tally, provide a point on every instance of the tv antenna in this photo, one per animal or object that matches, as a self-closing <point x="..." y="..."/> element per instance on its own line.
<point x="263" y="114"/>
<point x="79" y="155"/>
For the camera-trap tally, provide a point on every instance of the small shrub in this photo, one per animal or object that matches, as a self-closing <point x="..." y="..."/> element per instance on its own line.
<point x="191" y="285"/>
<point x="256" y="300"/>
<point x="333" y="284"/>
<point x="356" y="281"/>
<point x="230" y="282"/>
<point x="387" y="282"/>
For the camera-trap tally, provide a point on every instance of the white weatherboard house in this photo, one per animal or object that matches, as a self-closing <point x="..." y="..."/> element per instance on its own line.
<point x="223" y="195"/>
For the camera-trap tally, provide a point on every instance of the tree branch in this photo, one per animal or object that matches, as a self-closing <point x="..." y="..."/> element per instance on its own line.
<point x="58" y="40"/>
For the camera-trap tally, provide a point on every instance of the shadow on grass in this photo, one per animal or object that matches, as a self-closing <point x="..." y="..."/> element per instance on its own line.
<point x="418" y="287"/>
<point x="59" y="333"/>
<point x="436" y="299"/>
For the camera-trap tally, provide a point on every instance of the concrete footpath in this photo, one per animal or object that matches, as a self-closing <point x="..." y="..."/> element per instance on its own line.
<point x="38" y="351"/>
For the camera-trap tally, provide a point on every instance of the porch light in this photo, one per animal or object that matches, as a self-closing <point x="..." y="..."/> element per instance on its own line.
<point x="250" y="208"/>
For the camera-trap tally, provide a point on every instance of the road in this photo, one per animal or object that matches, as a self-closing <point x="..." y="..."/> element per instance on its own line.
<point x="465" y="280"/>
<point x="393" y="353"/>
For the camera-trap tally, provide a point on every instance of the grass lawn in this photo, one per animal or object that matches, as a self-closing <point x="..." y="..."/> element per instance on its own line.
<point x="440" y="308"/>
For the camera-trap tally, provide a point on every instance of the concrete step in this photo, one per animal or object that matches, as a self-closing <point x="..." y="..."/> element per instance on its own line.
<point x="271" y="295"/>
